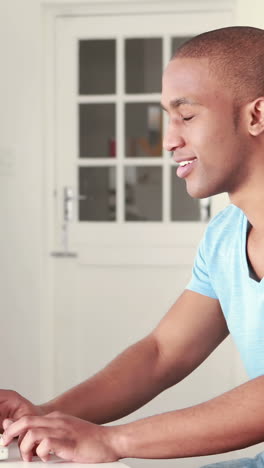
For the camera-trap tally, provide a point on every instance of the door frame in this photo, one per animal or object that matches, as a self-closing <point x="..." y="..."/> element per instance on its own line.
<point x="50" y="12"/>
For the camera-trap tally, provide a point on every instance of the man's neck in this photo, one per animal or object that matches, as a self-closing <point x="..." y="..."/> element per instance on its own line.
<point x="252" y="204"/>
<point x="249" y="195"/>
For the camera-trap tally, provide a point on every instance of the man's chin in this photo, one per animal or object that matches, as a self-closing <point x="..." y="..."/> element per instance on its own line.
<point x="198" y="191"/>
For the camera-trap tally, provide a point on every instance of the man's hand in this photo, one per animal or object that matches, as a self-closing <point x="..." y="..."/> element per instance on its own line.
<point x="68" y="437"/>
<point x="13" y="406"/>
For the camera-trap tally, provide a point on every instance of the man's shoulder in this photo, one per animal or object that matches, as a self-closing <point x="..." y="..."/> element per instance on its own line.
<point x="216" y="249"/>
<point x="226" y="218"/>
<point x="226" y="225"/>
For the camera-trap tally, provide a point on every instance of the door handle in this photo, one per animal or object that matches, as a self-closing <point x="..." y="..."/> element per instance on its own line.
<point x="68" y="200"/>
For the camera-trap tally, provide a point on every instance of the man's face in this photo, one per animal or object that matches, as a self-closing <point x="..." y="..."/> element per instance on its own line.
<point x="202" y="130"/>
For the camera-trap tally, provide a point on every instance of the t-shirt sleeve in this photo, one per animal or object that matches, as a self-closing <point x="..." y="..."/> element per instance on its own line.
<point x="200" y="280"/>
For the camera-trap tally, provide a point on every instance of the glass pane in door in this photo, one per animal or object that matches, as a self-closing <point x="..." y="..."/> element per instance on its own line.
<point x="97" y="190"/>
<point x="178" y="41"/>
<point x="97" y="66"/>
<point x="143" y="65"/>
<point x="143" y="193"/>
<point x="143" y="127"/>
<point x="183" y="207"/>
<point x="97" y="130"/>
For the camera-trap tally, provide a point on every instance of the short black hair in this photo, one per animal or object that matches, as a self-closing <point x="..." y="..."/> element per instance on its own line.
<point x="236" y="57"/>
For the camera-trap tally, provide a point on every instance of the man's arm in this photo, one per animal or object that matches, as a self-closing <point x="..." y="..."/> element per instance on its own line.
<point x="188" y="333"/>
<point x="231" y="421"/>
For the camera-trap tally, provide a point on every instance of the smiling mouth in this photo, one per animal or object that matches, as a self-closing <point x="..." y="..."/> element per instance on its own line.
<point x="186" y="167"/>
<point x="184" y="163"/>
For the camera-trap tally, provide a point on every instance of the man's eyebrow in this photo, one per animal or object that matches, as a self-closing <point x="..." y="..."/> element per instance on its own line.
<point x="175" y="103"/>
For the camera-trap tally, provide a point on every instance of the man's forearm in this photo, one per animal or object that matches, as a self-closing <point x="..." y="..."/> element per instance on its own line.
<point x="192" y="328"/>
<point x="231" y="421"/>
<point x="127" y="383"/>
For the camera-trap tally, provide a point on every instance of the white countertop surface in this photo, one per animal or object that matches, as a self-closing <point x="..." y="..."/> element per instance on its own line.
<point x="15" y="461"/>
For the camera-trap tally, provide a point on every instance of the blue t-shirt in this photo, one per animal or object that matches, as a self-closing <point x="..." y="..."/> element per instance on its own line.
<point x="221" y="271"/>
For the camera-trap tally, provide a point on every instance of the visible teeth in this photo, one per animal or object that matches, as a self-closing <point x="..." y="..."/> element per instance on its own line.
<point x="184" y="163"/>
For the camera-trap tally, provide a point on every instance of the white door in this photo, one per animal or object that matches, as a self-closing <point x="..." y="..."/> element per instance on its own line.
<point x="125" y="230"/>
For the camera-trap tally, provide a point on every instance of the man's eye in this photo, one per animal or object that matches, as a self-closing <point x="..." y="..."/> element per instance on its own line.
<point x="188" y="118"/>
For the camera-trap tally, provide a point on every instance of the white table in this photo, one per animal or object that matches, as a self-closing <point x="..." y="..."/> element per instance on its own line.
<point x="15" y="461"/>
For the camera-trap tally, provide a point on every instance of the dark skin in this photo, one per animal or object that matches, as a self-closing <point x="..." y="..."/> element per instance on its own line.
<point x="224" y="158"/>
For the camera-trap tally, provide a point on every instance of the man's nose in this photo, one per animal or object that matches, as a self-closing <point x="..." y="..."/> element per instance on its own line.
<point x="172" y="139"/>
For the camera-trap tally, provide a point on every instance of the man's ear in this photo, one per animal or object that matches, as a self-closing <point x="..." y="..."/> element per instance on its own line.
<point x="256" y="121"/>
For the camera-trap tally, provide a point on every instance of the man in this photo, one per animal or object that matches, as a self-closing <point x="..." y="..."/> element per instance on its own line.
<point x="213" y="91"/>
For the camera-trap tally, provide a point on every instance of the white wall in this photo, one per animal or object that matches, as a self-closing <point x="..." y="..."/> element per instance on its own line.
<point x="250" y="13"/>
<point x="20" y="193"/>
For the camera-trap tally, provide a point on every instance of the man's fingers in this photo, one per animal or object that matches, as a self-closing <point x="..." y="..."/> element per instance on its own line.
<point x="39" y="442"/>
<point x="41" y="435"/>
<point x="20" y="438"/>
<point x="55" y="446"/>
<point x="7" y="423"/>
<point x="29" y="442"/>
<point x="23" y="425"/>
